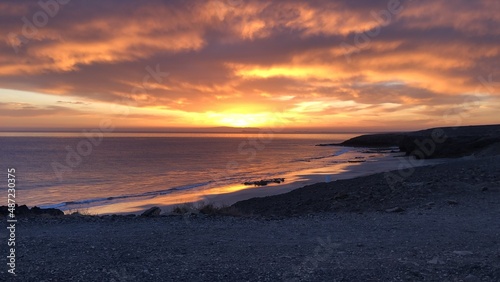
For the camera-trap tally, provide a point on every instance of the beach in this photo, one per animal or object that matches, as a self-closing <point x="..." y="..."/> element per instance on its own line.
<point x="392" y="217"/>
<point x="440" y="235"/>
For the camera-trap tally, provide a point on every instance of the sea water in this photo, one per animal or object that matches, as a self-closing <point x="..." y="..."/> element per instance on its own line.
<point x="68" y="170"/>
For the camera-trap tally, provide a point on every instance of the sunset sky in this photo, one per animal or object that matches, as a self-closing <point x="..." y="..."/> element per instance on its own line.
<point x="337" y="65"/>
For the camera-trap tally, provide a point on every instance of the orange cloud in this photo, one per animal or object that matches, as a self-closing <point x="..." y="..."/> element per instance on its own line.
<point x="238" y="62"/>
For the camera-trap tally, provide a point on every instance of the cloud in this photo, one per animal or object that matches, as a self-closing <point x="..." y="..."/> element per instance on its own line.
<point x="29" y="110"/>
<point x="257" y="56"/>
<point x="72" y="103"/>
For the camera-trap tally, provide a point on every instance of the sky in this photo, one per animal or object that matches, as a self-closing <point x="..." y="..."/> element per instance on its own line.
<point x="330" y="65"/>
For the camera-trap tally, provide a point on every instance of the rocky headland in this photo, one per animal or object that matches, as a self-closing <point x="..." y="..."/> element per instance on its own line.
<point x="442" y="142"/>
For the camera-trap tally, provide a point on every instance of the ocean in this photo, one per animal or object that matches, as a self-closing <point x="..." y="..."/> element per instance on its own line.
<point x="70" y="171"/>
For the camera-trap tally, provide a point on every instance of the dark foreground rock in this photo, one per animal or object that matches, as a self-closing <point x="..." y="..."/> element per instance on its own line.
<point x="38" y="211"/>
<point x="24" y="211"/>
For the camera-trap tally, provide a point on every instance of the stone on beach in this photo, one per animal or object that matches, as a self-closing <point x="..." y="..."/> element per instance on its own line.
<point x="396" y="209"/>
<point x="153" y="211"/>
<point x="435" y="260"/>
<point x="264" y="182"/>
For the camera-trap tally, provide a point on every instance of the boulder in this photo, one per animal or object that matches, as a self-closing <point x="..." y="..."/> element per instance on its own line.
<point x="53" y="212"/>
<point x="4" y="211"/>
<point x="22" y="210"/>
<point x="153" y="211"/>
<point x="25" y="211"/>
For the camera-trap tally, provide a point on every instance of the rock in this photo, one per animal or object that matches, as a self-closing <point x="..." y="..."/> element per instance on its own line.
<point x="396" y="209"/>
<point x="452" y="202"/>
<point x="484" y="189"/>
<point x="153" y="211"/>
<point x="435" y="260"/>
<point x="430" y="204"/>
<point x="53" y="212"/>
<point x="471" y="278"/>
<point x="4" y="211"/>
<point x="463" y="253"/>
<point x="22" y="210"/>
<point x="35" y="211"/>
<point x="264" y="182"/>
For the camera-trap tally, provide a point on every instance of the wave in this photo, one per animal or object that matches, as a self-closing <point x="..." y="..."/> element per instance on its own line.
<point x="64" y="205"/>
<point x="336" y="154"/>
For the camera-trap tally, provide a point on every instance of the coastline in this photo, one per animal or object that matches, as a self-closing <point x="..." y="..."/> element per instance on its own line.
<point x="449" y="233"/>
<point x="227" y="195"/>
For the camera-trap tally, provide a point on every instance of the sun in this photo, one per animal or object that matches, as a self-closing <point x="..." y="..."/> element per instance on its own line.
<point x="238" y="120"/>
<point x="246" y="117"/>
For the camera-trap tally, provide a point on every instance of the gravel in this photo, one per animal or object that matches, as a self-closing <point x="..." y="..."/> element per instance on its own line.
<point x="426" y="239"/>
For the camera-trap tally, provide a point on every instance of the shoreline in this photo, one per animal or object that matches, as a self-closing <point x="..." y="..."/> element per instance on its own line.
<point x="227" y="195"/>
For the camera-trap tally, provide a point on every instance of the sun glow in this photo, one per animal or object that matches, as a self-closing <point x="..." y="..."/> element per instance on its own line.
<point x="237" y="121"/>
<point x="240" y="120"/>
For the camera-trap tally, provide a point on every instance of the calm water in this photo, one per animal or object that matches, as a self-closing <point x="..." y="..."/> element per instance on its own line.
<point x="128" y="166"/>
